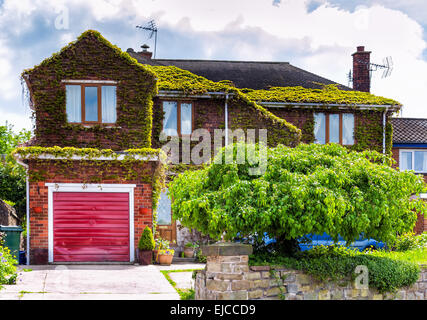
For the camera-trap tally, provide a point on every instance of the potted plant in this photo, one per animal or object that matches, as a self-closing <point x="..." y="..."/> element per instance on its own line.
<point x="166" y="256"/>
<point x="160" y="245"/>
<point x="189" y="249"/>
<point x="145" y="246"/>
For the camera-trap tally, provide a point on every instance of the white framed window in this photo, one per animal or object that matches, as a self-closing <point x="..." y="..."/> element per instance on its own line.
<point x="413" y="160"/>
<point x="334" y="128"/>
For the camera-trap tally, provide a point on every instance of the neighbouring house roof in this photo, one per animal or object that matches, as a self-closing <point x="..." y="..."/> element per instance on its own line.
<point x="249" y="74"/>
<point x="409" y="130"/>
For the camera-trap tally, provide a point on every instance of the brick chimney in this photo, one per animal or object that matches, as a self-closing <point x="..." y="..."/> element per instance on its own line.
<point x="145" y="53"/>
<point x="361" y="64"/>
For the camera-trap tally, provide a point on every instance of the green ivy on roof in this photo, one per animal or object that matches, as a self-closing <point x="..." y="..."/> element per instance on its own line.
<point x="97" y="35"/>
<point x="171" y="78"/>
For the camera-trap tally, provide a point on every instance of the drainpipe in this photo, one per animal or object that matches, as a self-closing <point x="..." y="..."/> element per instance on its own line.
<point x="226" y="119"/>
<point x="27" y="185"/>
<point x="384" y="127"/>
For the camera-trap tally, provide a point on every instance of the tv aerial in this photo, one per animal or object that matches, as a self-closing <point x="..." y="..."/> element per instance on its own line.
<point x="387" y="68"/>
<point x="152" y="29"/>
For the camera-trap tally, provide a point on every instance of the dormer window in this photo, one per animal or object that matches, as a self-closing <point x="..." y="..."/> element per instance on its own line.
<point x="91" y="102"/>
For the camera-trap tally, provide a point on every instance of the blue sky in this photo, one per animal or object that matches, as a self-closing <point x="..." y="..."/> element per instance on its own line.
<point x="316" y="35"/>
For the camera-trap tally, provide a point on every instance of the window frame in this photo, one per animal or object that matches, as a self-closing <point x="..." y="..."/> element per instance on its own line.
<point x="340" y="114"/>
<point x="412" y="151"/>
<point x="98" y="85"/>
<point x="178" y="116"/>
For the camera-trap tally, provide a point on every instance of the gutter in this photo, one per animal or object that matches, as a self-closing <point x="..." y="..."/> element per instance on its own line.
<point x="27" y="215"/>
<point x="328" y="105"/>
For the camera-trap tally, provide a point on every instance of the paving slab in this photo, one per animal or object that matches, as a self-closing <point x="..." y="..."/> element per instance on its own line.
<point x="85" y="282"/>
<point x="183" y="280"/>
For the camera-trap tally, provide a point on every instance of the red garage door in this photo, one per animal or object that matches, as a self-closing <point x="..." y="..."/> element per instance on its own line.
<point x="90" y="227"/>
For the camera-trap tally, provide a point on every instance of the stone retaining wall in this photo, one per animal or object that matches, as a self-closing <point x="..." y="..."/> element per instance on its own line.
<point x="227" y="276"/>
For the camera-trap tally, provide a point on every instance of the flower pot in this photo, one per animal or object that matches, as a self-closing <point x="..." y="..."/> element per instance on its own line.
<point x="165" y="259"/>
<point x="144" y="211"/>
<point x="188" y="252"/>
<point x="38" y="209"/>
<point x="145" y="257"/>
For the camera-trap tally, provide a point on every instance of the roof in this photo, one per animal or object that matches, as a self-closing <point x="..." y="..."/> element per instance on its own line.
<point x="409" y="130"/>
<point x="246" y="74"/>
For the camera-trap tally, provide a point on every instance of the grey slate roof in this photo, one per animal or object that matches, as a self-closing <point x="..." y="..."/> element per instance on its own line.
<point x="409" y="130"/>
<point x="245" y="74"/>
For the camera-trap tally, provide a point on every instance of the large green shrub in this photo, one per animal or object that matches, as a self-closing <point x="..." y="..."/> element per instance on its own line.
<point x="307" y="189"/>
<point x="146" y="242"/>
<point x="336" y="263"/>
<point x="410" y="241"/>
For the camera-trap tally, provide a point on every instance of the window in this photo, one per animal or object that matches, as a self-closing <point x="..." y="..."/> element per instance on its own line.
<point x="413" y="160"/>
<point x="334" y="128"/>
<point x="178" y="118"/>
<point x="164" y="210"/>
<point x="91" y="103"/>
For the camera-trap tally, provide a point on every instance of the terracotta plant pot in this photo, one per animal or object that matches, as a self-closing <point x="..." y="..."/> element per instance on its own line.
<point x="145" y="257"/>
<point x="165" y="259"/>
<point x="144" y="210"/>
<point x="188" y="252"/>
<point x="38" y="209"/>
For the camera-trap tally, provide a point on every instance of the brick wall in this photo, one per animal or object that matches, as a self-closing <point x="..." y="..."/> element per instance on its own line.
<point x="39" y="198"/>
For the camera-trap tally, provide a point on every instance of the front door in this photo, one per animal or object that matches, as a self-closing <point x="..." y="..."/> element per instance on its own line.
<point x="165" y="225"/>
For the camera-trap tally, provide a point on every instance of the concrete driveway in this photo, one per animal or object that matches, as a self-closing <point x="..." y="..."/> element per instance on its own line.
<point x="94" y="282"/>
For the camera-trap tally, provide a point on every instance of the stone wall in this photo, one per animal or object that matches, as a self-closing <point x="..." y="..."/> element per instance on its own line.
<point x="227" y="276"/>
<point x="8" y="215"/>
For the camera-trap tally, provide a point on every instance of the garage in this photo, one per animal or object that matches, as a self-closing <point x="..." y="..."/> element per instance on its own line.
<point x="90" y="227"/>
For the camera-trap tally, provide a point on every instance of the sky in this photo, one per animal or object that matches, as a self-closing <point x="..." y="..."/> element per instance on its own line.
<point x="316" y="35"/>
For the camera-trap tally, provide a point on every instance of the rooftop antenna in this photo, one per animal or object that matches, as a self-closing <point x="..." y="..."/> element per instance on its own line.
<point x="350" y="78"/>
<point x="152" y="28"/>
<point x="387" y="67"/>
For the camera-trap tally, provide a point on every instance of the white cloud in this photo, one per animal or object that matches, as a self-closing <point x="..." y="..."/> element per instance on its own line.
<point x="320" y="41"/>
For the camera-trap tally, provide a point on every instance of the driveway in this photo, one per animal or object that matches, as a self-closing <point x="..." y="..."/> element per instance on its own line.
<point x="94" y="282"/>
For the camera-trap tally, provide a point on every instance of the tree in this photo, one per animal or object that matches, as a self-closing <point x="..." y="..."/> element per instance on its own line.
<point x="307" y="189"/>
<point x="12" y="175"/>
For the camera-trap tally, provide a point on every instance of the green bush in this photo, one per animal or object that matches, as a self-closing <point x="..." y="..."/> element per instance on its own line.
<point x="336" y="263"/>
<point x="7" y="267"/>
<point x="306" y="189"/>
<point x="146" y="242"/>
<point x="410" y="241"/>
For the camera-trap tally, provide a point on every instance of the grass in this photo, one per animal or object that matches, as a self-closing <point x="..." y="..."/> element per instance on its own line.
<point x="184" y="294"/>
<point x="418" y="256"/>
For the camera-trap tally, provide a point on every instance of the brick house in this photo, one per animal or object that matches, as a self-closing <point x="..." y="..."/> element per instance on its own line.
<point x="410" y="152"/>
<point x="94" y="179"/>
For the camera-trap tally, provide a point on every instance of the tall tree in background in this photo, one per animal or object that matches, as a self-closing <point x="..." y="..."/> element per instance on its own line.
<point x="12" y="175"/>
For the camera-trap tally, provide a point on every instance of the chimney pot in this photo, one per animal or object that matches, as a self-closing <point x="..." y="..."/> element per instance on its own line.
<point x="145" y="53"/>
<point x="360" y="48"/>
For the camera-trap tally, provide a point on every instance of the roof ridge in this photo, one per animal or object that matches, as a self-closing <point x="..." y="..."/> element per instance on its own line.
<point x="234" y="61"/>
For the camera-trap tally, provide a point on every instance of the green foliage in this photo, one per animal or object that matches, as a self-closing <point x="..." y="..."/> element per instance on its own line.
<point x="336" y="263"/>
<point x="329" y="94"/>
<point x="171" y="78"/>
<point x="306" y="189"/>
<point x="146" y="242"/>
<point x="7" y="267"/>
<point x="410" y="241"/>
<point x="12" y="175"/>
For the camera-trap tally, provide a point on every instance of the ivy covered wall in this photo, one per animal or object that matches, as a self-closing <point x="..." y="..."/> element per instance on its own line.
<point x="92" y="57"/>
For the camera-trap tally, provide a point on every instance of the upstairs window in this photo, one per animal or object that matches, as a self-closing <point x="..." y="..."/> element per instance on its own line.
<point x="178" y="118"/>
<point x="334" y="128"/>
<point x="413" y="160"/>
<point x="91" y="103"/>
